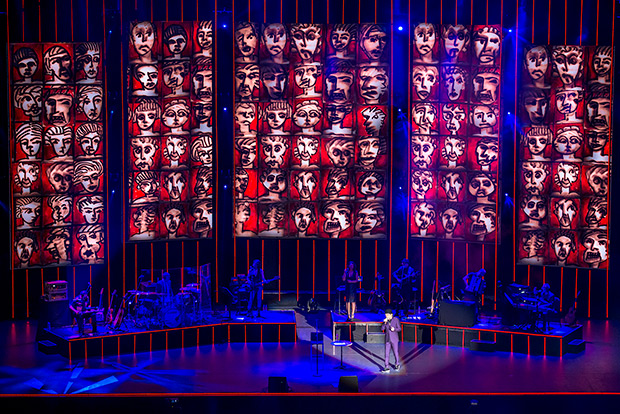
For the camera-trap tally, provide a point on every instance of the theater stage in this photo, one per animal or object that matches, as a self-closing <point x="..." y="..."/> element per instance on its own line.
<point x="239" y="367"/>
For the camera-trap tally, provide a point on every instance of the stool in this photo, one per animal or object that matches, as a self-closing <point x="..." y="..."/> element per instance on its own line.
<point x="341" y="345"/>
<point x="316" y="338"/>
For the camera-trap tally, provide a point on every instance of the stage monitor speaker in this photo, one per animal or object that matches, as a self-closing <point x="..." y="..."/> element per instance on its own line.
<point x="278" y="385"/>
<point x="348" y="384"/>
<point x="457" y="313"/>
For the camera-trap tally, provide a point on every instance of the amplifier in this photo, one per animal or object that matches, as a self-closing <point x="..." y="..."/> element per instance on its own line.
<point x="54" y="297"/>
<point x="56" y="286"/>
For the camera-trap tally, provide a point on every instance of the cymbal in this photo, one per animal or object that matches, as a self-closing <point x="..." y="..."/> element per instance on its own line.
<point x="189" y="290"/>
<point x="193" y="285"/>
<point x="134" y="292"/>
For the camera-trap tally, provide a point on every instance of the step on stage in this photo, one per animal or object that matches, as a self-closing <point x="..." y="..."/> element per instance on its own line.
<point x="274" y="326"/>
<point x="367" y="326"/>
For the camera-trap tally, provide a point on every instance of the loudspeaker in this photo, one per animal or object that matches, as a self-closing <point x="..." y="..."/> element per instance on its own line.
<point x="277" y="385"/>
<point x="457" y="313"/>
<point x="56" y="313"/>
<point x="348" y="384"/>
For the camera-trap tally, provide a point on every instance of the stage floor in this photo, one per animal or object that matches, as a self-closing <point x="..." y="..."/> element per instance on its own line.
<point x="245" y="368"/>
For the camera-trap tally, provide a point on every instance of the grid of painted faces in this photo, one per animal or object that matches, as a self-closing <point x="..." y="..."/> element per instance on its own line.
<point x="170" y="130"/>
<point x="311" y="123"/>
<point x="57" y="171"/>
<point x="565" y="155"/>
<point x="454" y="144"/>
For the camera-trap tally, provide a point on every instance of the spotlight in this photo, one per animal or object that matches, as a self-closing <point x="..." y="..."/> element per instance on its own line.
<point x="508" y="113"/>
<point x="225" y="187"/>
<point x="509" y="30"/>
<point x="400" y="28"/>
<point x="225" y="109"/>
<point x="224" y="26"/>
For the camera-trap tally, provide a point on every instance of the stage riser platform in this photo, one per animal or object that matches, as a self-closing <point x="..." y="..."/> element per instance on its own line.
<point x="136" y="342"/>
<point x="521" y="343"/>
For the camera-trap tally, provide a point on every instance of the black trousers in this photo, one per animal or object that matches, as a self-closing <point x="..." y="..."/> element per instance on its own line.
<point x="407" y="295"/>
<point x="80" y="321"/>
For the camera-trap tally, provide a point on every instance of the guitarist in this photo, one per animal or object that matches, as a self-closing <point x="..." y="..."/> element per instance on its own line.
<point x="405" y="278"/>
<point x="256" y="279"/>
<point x="79" y="308"/>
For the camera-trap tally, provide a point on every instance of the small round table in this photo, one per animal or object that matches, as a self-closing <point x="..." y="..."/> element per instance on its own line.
<point x="341" y="345"/>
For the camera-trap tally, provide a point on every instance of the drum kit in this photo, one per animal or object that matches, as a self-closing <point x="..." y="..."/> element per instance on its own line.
<point x="154" y="310"/>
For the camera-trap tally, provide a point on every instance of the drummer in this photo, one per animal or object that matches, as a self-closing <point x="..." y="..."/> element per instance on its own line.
<point x="164" y="286"/>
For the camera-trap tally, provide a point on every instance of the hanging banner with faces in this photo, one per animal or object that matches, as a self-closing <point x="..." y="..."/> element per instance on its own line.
<point x="454" y="142"/>
<point x="58" y="141"/>
<point x="311" y="130"/>
<point x="565" y="156"/>
<point x="170" y="124"/>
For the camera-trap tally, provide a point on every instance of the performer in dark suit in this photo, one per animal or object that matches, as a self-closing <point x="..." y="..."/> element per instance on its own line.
<point x="256" y="278"/>
<point x="391" y="327"/>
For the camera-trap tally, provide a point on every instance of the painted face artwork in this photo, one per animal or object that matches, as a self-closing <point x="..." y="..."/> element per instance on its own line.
<point x="565" y="155"/>
<point x="58" y="171"/>
<point x="454" y="150"/>
<point x="425" y="36"/>
<point x="172" y="126"/>
<point x="311" y="130"/>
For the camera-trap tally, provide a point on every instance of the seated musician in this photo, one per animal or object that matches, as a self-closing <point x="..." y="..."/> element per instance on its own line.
<point x="79" y="308"/>
<point x="256" y="278"/>
<point x="165" y="286"/>
<point x="549" y="304"/>
<point x="547" y="297"/>
<point x="405" y="278"/>
<point x="474" y="285"/>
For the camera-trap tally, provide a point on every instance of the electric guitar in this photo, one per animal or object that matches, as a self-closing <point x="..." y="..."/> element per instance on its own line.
<point x="256" y="285"/>
<point x="433" y="302"/>
<point x="110" y="316"/>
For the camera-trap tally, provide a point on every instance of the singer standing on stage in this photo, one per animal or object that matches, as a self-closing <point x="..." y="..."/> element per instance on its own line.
<point x="351" y="277"/>
<point x="391" y="327"/>
<point x="256" y="278"/>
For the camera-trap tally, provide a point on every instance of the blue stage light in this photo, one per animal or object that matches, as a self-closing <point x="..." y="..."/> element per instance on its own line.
<point x="400" y="28"/>
<point x="509" y="30"/>
<point x="225" y="187"/>
<point x="225" y="109"/>
<point x="224" y="26"/>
